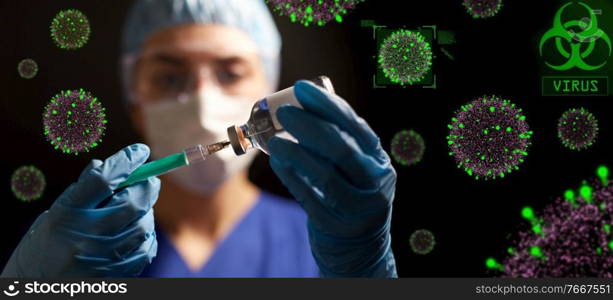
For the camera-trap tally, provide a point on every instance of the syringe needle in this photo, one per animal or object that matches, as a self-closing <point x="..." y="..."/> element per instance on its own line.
<point x="212" y="148"/>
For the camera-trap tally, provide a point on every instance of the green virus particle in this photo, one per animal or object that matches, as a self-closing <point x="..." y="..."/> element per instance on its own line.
<point x="422" y="241"/>
<point x="27" y="68"/>
<point x="577" y="129"/>
<point x="489" y="137"/>
<point x="407" y="147"/>
<point x="28" y="183"/>
<point x="482" y="9"/>
<point x="307" y="12"/>
<point x="405" y="57"/>
<point x="74" y="121"/>
<point x="571" y="238"/>
<point x="70" y="29"/>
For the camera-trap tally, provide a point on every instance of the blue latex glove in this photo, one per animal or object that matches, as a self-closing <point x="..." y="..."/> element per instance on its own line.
<point x="344" y="181"/>
<point x="92" y="230"/>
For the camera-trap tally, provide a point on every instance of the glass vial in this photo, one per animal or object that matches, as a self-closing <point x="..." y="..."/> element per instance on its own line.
<point x="263" y="124"/>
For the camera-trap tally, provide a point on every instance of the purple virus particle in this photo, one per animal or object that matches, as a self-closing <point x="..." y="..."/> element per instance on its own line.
<point x="307" y="12"/>
<point x="407" y="147"/>
<point x="74" y="121"/>
<point x="489" y="137"/>
<point x="28" y="183"/>
<point x="70" y="29"/>
<point x="422" y="241"/>
<point x="482" y="9"/>
<point x="577" y="129"/>
<point x="27" y="68"/>
<point x="405" y="57"/>
<point x="572" y="238"/>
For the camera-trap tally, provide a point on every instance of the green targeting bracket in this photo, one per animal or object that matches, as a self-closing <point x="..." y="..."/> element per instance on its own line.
<point x="431" y="37"/>
<point x="156" y="168"/>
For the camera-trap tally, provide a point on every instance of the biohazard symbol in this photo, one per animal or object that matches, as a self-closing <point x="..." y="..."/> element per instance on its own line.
<point x="582" y="44"/>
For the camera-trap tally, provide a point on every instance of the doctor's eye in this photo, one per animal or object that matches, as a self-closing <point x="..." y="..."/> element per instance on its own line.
<point x="229" y="77"/>
<point x="170" y="82"/>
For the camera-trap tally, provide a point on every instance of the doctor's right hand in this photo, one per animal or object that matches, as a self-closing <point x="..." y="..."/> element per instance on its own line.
<point x="91" y="230"/>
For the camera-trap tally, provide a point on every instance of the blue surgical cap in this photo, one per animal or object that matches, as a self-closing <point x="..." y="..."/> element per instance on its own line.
<point x="251" y="16"/>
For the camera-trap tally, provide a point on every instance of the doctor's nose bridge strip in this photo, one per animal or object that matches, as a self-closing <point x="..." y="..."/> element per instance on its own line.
<point x="255" y="134"/>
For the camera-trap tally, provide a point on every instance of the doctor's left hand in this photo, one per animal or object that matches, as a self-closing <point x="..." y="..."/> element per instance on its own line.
<point x="92" y="230"/>
<point x="343" y="179"/>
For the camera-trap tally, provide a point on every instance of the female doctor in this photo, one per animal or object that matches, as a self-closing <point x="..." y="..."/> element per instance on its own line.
<point x="191" y="68"/>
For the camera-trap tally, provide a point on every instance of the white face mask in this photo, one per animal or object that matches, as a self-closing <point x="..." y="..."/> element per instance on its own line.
<point x="202" y="118"/>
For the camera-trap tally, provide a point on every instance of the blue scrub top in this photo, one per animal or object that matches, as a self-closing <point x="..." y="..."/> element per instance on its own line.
<point x="270" y="241"/>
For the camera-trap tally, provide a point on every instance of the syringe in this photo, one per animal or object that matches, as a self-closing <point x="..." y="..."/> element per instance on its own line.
<point x="166" y="164"/>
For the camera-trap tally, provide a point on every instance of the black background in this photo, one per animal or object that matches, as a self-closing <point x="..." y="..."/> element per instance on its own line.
<point x="470" y="219"/>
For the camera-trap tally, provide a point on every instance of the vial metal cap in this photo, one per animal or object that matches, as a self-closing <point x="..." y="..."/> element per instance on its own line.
<point x="235" y="135"/>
